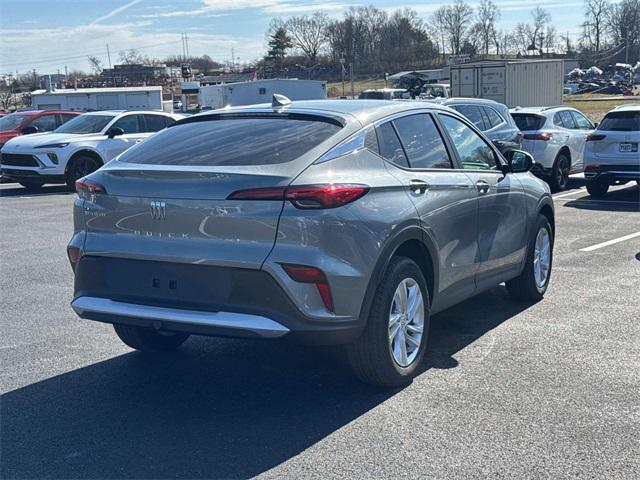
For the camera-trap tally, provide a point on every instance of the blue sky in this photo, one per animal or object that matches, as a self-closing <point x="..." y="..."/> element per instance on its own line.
<point x="49" y="34"/>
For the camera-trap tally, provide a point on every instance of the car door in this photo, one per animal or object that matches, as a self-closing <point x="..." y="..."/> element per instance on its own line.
<point x="133" y="133"/>
<point x="502" y="214"/>
<point x="444" y="197"/>
<point x="576" y="138"/>
<point x="584" y="125"/>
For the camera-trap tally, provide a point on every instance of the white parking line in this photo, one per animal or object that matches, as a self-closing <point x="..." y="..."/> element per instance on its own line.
<point x="568" y="194"/>
<point x="610" y="242"/>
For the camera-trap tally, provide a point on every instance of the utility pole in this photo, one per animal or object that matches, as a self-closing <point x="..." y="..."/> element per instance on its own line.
<point x="113" y="77"/>
<point x="186" y="43"/>
<point x="233" y="56"/>
<point x="342" y="73"/>
<point x="351" y="77"/>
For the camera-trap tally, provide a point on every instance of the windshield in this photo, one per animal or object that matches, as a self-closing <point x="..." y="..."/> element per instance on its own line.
<point x="232" y="142"/>
<point x="621" y="122"/>
<point x="12" y="121"/>
<point x="85" y="124"/>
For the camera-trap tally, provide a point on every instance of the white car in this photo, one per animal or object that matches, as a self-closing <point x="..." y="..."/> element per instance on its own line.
<point x="611" y="155"/>
<point x="78" y="147"/>
<point x="555" y="136"/>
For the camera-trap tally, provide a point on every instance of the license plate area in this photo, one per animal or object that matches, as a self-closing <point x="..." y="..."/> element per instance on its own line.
<point x="629" y="147"/>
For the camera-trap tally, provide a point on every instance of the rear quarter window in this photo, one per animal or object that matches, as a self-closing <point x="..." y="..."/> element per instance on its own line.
<point x="621" y="122"/>
<point x="528" y="121"/>
<point x="232" y="142"/>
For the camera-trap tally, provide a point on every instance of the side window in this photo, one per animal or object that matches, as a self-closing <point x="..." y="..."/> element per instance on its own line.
<point x="422" y="142"/>
<point x="46" y="123"/>
<point x="582" y="122"/>
<point x="494" y="117"/>
<point x="390" y="146"/>
<point x="154" y="123"/>
<point x="474" y="114"/>
<point x="66" y="117"/>
<point x="129" y="124"/>
<point x="371" y="141"/>
<point x="474" y="152"/>
<point x="567" y="119"/>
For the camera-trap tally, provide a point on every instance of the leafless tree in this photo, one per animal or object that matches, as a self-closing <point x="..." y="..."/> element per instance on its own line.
<point x="594" y="26"/>
<point x="537" y="30"/>
<point x="308" y="33"/>
<point x="5" y="98"/>
<point x="132" y="56"/>
<point x="439" y="24"/>
<point x="487" y="16"/>
<point x="458" y="20"/>
<point x="623" y="22"/>
<point x="95" y="64"/>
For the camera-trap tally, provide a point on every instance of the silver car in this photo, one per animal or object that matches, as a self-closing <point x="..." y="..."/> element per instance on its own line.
<point x="555" y="136"/>
<point x="331" y="221"/>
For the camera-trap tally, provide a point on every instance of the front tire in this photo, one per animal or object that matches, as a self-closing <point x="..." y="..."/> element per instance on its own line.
<point x="80" y="167"/>
<point x="532" y="283"/>
<point x="148" y="340"/>
<point x="597" y="188"/>
<point x="393" y="344"/>
<point x="560" y="173"/>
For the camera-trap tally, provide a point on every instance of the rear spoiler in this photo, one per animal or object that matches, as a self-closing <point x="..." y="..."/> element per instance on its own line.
<point x="314" y="117"/>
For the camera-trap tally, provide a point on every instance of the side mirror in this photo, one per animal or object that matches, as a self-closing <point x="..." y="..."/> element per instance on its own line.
<point x="519" y="161"/>
<point x="29" y="129"/>
<point x="114" y="132"/>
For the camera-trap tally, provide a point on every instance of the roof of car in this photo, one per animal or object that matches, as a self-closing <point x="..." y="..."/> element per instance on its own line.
<point x="540" y="110"/>
<point x="479" y="101"/>
<point x="38" y="112"/>
<point x="364" y="110"/>
<point x="628" y="107"/>
<point x="120" y="112"/>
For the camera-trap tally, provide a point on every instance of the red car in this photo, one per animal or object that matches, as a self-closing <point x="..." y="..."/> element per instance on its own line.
<point x="32" y="121"/>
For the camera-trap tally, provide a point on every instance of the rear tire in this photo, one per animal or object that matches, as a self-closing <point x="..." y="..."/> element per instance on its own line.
<point x="373" y="357"/>
<point x="560" y="173"/>
<point x="527" y="286"/>
<point x="32" y="186"/>
<point x="597" y="188"/>
<point x="80" y="167"/>
<point x="148" y="340"/>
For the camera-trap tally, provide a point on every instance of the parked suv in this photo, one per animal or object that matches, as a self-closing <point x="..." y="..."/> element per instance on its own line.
<point x="555" y="136"/>
<point x="332" y="221"/>
<point x="32" y="121"/>
<point x="611" y="155"/>
<point x="78" y="147"/>
<point x="492" y="118"/>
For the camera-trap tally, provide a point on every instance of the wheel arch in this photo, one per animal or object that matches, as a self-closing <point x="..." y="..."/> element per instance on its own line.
<point x="411" y="242"/>
<point x="86" y="153"/>
<point x="545" y="208"/>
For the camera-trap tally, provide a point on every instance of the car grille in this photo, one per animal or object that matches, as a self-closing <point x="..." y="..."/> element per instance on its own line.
<point x="18" y="160"/>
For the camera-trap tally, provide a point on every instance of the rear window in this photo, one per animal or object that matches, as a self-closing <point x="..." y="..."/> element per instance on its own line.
<point x="528" y="121"/>
<point x="621" y="121"/>
<point x="232" y="142"/>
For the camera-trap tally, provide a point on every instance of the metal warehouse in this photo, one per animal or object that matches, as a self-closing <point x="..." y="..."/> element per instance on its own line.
<point x="92" y="99"/>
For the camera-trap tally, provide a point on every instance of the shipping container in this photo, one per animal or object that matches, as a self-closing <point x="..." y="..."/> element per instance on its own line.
<point x="516" y="83"/>
<point x="94" y="99"/>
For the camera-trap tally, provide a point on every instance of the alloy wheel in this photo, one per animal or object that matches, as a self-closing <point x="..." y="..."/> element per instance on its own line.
<point x="542" y="257"/>
<point x="406" y="322"/>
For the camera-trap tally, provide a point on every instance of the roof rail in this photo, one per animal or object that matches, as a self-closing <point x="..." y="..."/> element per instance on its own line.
<point x="553" y="106"/>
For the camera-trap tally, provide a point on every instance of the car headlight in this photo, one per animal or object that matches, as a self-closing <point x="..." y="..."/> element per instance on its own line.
<point x="54" y="145"/>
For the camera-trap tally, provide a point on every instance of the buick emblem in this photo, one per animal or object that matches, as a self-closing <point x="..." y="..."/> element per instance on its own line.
<point x="158" y="210"/>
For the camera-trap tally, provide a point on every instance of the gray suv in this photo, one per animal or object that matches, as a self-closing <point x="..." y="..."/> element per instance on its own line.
<point x="332" y="222"/>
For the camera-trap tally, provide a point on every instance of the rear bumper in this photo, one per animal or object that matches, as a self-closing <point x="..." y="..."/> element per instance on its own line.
<point x="612" y="173"/>
<point x="198" y="299"/>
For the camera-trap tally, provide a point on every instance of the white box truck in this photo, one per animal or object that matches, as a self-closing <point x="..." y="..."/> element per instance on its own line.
<point x="94" y="99"/>
<point x="516" y="83"/>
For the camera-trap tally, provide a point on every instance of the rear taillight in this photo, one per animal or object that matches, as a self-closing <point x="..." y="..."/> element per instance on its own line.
<point x="544" y="136"/>
<point x="87" y="186"/>
<point x="520" y="136"/>
<point x="595" y="137"/>
<point x="307" y="196"/>
<point x="74" y="254"/>
<point x="306" y="274"/>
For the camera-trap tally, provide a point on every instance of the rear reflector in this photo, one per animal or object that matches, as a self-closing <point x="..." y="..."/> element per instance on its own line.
<point x="74" y="255"/>
<point x="307" y="196"/>
<point x="544" y="136"/>
<point x="87" y="186"/>
<point x="595" y="138"/>
<point x="306" y="274"/>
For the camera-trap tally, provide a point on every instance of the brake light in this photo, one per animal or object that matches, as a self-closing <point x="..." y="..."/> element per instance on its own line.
<point x="74" y="254"/>
<point x="306" y="274"/>
<point x="307" y="196"/>
<point x="593" y="137"/>
<point x="87" y="186"/>
<point x="544" y="136"/>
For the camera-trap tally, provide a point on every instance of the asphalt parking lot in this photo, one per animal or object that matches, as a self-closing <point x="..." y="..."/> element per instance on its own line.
<point x="513" y="390"/>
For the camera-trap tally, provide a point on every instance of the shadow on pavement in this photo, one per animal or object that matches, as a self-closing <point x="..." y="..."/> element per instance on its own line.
<point x="215" y="409"/>
<point x="17" y="190"/>
<point x="623" y="200"/>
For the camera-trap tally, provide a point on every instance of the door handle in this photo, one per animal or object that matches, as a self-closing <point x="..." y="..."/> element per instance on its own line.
<point x="418" y="186"/>
<point x="483" y="187"/>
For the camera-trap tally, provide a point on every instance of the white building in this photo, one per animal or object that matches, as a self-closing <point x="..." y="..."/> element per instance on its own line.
<point x="93" y="99"/>
<point x="250" y="93"/>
